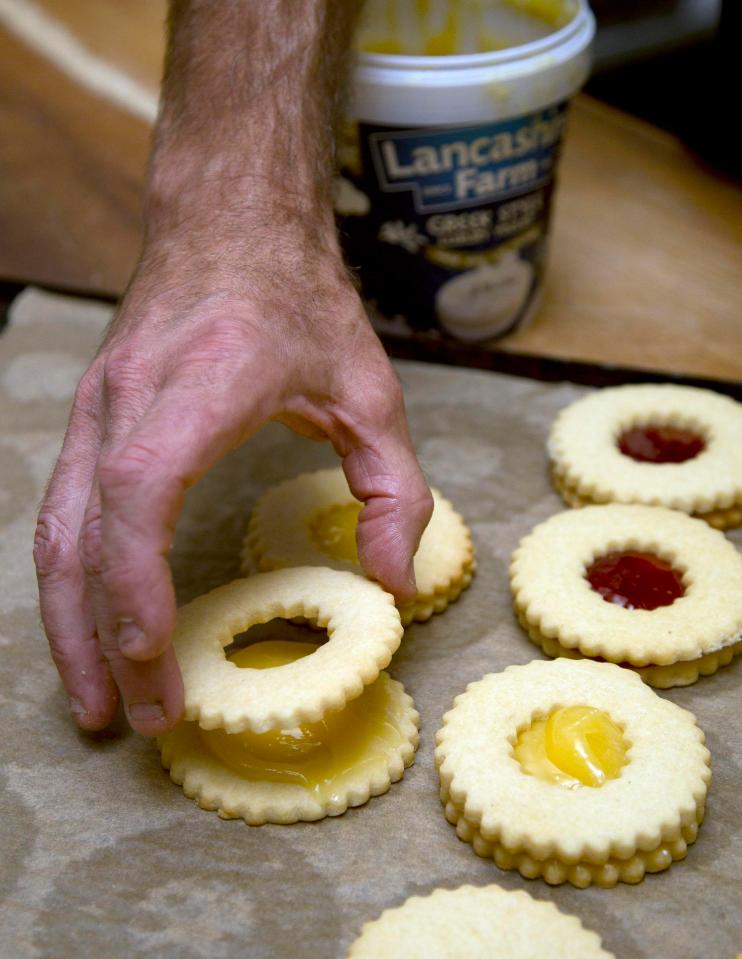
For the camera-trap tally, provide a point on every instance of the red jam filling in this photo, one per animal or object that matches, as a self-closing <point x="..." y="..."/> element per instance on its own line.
<point x="635" y="580"/>
<point x="660" y="444"/>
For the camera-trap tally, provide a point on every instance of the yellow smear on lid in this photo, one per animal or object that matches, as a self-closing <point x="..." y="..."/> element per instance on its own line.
<point x="441" y="29"/>
<point x="555" y="12"/>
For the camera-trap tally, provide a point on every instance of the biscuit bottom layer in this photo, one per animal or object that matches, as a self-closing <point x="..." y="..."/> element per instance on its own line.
<point x="305" y="772"/>
<point x="581" y="873"/>
<point x="427" y="604"/>
<point x="718" y="518"/>
<point x="684" y="672"/>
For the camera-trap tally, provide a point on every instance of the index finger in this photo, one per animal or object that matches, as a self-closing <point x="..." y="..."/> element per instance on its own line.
<point x="142" y="483"/>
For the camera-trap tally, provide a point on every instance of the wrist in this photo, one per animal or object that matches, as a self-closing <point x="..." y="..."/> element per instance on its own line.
<point x="225" y="196"/>
<point x="267" y="254"/>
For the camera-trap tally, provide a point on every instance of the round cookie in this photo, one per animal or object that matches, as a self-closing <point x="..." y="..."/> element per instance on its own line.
<point x="310" y="521"/>
<point x="362" y="624"/>
<point x="476" y="923"/>
<point x="639" y="820"/>
<point x="682" y="448"/>
<point x="303" y="773"/>
<point x="669" y="645"/>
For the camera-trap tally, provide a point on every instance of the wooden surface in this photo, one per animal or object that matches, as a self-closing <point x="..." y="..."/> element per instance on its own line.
<point x="644" y="269"/>
<point x="71" y="168"/>
<point x="645" y="266"/>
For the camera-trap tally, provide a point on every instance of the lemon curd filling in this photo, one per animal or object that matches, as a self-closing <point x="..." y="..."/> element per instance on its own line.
<point x="574" y="746"/>
<point x="333" y="530"/>
<point x="310" y="755"/>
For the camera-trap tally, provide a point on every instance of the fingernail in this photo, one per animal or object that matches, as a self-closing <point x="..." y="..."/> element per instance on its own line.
<point x="146" y="712"/>
<point x="129" y="637"/>
<point x="77" y="709"/>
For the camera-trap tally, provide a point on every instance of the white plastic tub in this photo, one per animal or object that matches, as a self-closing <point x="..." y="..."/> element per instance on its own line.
<point x="448" y="165"/>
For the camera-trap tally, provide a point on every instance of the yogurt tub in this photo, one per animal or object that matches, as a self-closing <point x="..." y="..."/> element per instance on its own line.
<point x="448" y="158"/>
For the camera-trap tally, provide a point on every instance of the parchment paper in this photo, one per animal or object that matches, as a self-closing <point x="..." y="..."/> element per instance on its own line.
<point x="103" y="856"/>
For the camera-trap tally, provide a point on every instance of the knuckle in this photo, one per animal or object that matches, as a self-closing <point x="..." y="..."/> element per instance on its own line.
<point x="391" y="398"/>
<point x="54" y="548"/>
<point x="422" y="505"/>
<point x="227" y="343"/>
<point x="110" y="650"/>
<point x="379" y="403"/>
<point x="226" y="333"/>
<point x="415" y="500"/>
<point x="121" y="577"/>
<point x="90" y="545"/>
<point x="124" y="372"/>
<point x="87" y="393"/>
<point x="128" y="466"/>
<point x="62" y="656"/>
<point x="386" y="392"/>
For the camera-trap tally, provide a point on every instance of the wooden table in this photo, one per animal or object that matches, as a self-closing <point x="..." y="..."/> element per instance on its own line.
<point x="644" y="269"/>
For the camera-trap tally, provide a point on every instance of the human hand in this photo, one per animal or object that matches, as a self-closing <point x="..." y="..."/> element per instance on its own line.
<point x="201" y="354"/>
<point x="240" y="311"/>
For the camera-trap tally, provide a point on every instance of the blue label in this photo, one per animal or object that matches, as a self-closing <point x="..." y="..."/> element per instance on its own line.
<point x="467" y="166"/>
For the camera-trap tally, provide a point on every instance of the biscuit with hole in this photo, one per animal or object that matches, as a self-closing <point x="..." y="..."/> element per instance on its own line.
<point x="646" y="587"/>
<point x="659" y="445"/>
<point x="572" y="771"/>
<point x="476" y="923"/>
<point x="362" y="624"/>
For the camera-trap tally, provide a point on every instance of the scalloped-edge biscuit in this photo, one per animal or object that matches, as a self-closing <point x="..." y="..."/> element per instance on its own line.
<point x="588" y="466"/>
<point x="278" y="536"/>
<point x="362" y="624"/>
<point x="476" y="922"/>
<point x="556" y="604"/>
<point x="720" y="519"/>
<point x="682" y="673"/>
<point x="640" y="822"/>
<point x="214" y="786"/>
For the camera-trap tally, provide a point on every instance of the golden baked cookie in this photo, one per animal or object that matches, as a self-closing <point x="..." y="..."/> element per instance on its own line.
<point x="363" y="627"/>
<point x="642" y="586"/>
<point x="476" y="923"/>
<point x="673" y="446"/>
<point x="311" y="521"/>
<point x="303" y="772"/>
<point x="572" y="771"/>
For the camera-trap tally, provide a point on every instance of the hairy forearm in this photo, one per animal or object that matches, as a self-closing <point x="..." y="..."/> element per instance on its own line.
<point x="245" y="127"/>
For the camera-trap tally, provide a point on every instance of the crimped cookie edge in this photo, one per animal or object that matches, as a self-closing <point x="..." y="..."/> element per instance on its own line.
<point x="218" y="695"/>
<point x="548" y="844"/>
<point x="541" y="915"/>
<point x="284" y="804"/>
<point x="658" y="637"/>
<point x="582" y="447"/>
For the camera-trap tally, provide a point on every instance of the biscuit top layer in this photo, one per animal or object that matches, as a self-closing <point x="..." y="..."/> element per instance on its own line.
<point x="310" y="755"/>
